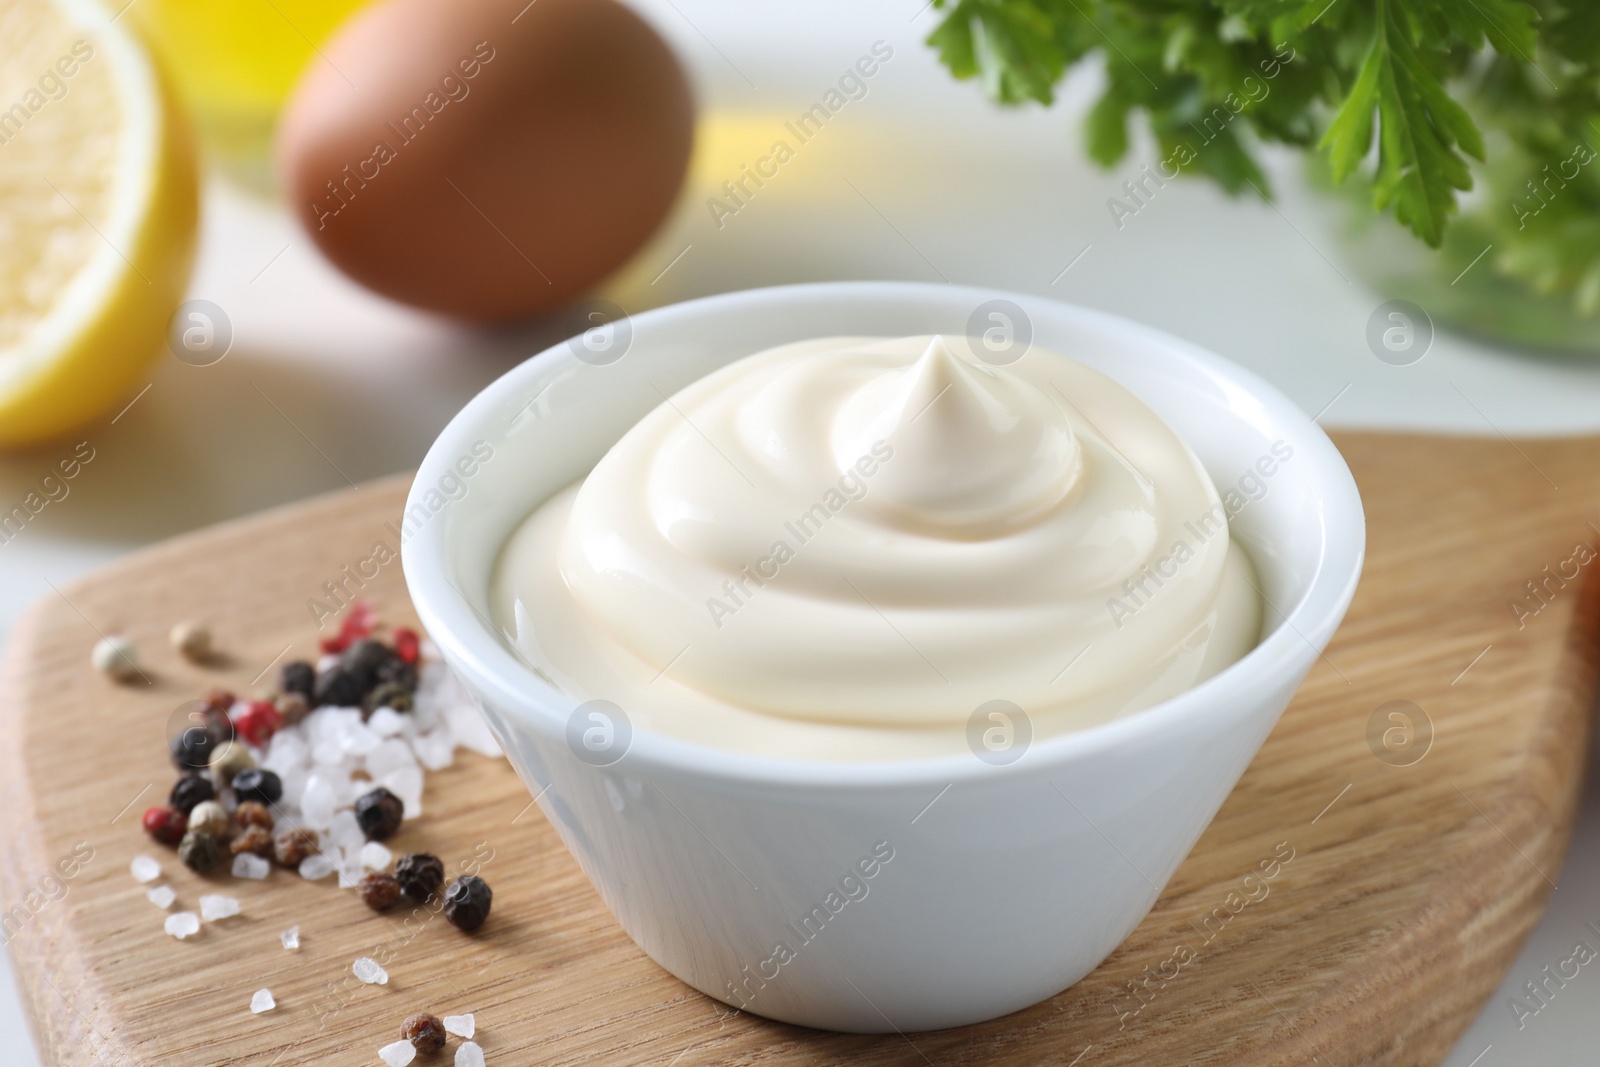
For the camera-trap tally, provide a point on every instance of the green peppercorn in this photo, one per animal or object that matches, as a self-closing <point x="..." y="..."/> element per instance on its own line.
<point x="386" y="695"/>
<point x="211" y="818"/>
<point x="200" y="851"/>
<point x="228" y="759"/>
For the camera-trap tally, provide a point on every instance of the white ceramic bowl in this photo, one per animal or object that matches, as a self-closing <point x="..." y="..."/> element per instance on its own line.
<point x="1017" y="880"/>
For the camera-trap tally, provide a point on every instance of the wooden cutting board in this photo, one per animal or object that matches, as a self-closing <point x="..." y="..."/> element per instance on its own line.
<point x="1415" y="870"/>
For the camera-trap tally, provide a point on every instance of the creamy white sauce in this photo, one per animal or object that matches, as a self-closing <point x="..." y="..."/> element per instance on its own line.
<point x="838" y="549"/>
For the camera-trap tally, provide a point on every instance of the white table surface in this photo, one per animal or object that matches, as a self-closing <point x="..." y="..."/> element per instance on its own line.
<point x="920" y="179"/>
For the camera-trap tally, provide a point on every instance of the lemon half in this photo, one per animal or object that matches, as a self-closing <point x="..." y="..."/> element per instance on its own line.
<point x="98" y="212"/>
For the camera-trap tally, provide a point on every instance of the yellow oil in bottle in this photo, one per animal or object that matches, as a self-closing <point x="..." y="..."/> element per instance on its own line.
<point x="234" y="63"/>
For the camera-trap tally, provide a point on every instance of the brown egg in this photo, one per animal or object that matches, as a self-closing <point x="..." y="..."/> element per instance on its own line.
<point x="488" y="159"/>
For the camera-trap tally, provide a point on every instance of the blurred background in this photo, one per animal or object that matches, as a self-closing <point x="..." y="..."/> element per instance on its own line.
<point x="325" y="384"/>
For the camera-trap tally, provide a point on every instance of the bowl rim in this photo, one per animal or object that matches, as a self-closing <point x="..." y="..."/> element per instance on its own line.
<point x="472" y="647"/>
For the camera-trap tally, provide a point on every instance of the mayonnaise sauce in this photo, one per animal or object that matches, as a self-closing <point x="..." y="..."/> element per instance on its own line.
<point x="838" y="549"/>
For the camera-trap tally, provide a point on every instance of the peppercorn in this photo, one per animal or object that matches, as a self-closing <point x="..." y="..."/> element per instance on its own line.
<point x="192" y="640"/>
<point x="293" y="846"/>
<point x="254" y="839"/>
<point x="116" y="658"/>
<point x="386" y="695"/>
<point x="466" y="902"/>
<point x="192" y="748"/>
<point x="399" y="671"/>
<point x="228" y="759"/>
<point x="165" y="825"/>
<point x="220" y="699"/>
<point x="190" y="789"/>
<point x="424" y="1031"/>
<point x="199" y="851"/>
<point x="420" y="875"/>
<point x="297" y="676"/>
<point x="258" y="722"/>
<point x="379" y="813"/>
<point x="337" y="687"/>
<point x="259" y="784"/>
<point x="209" y="817"/>
<point x="253" y="813"/>
<point x="292" y="707"/>
<point x="379" y="891"/>
<point x="407" y="645"/>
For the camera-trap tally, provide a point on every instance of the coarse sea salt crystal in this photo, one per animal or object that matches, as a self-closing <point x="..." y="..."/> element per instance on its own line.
<point x="346" y="832"/>
<point x="162" y="896"/>
<point x="262" y="1001"/>
<point x="386" y="723"/>
<point x="398" y="1054"/>
<point x="317" y="801"/>
<point x="290" y="938"/>
<point x="328" y="753"/>
<point x="460" y="1025"/>
<point x="350" y="873"/>
<point x="435" y="749"/>
<point x="214" y="907"/>
<point x="375" y="856"/>
<point x="360" y="740"/>
<point x="316" y="867"/>
<point x="370" y="971"/>
<point x="388" y="757"/>
<point x="249" y="865"/>
<point x="182" y="924"/>
<point x="144" y="869"/>
<point x="469" y="1054"/>
<point x="406" y="783"/>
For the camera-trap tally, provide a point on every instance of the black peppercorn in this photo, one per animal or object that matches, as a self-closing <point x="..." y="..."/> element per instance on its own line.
<point x="199" y="851"/>
<point x="190" y="789"/>
<point x="424" y="1031"/>
<point x="297" y="676"/>
<point x="258" y="784"/>
<point x="379" y="891"/>
<point x="420" y="875"/>
<point x="362" y="660"/>
<point x="337" y="687"/>
<point x="466" y="902"/>
<point x="386" y="695"/>
<point x="192" y="748"/>
<point x="379" y="813"/>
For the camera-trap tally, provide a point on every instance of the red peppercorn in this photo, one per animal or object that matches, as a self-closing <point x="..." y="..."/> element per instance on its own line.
<point x="165" y="825"/>
<point x="407" y="645"/>
<point x="259" y="721"/>
<point x="357" y="624"/>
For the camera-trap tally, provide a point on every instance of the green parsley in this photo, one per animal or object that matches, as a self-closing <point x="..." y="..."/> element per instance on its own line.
<point x="1411" y="98"/>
